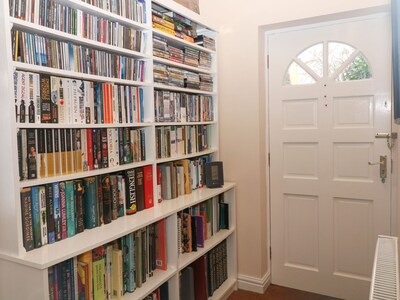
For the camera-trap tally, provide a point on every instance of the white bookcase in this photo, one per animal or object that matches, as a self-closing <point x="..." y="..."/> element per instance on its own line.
<point x="24" y="275"/>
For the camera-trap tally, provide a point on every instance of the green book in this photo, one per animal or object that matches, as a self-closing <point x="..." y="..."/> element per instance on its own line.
<point x="70" y="201"/>
<point x="98" y="273"/>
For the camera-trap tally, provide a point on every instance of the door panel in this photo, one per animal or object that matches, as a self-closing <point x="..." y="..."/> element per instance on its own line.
<point x="325" y="106"/>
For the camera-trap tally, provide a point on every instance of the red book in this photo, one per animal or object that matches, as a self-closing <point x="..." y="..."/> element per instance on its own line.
<point x="200" y="278"/>
<point x="89" y="143"/>
<point x="105" y="103"/>
<point x="161" y="245"/>
<point x="159" y="198"/>
<point x="148" y="186"/>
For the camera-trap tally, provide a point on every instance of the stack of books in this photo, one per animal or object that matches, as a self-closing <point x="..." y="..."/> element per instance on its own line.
<point x="205" y="41"/>
<point x="192" y="80"/>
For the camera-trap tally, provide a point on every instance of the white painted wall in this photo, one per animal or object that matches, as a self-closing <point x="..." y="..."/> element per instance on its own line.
<point x="241" y="26"/>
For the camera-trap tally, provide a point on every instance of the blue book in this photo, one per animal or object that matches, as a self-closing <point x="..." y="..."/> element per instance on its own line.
<point x="71" y="57"/>
<point x="141" y="105"/>
<point x="130" y="245"/>
<point x="37" y="236"/>
<point x="70" y="204"/>
<point x="57" y="210"/>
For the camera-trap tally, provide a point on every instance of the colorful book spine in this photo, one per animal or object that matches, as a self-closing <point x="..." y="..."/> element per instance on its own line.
<point x="71" y="208"/>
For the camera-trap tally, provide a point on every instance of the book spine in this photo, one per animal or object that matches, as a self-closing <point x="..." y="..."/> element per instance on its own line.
<point x="91" y="206"/>
<point x="78" y="191"/>
<point x="51" y="233"/>
<point x="139" y="188"/>
<point x="57" y="210"/>
<point x="130" y="189"/>
<point x="107" y="205"/>
<point x="37" y="236"/>
<point x="89" y="134"/>
<point x="45" y="92"/>
<point x="31" y="153"/>
<point x="104" y="148"/>
<point x="114" y="196"/>
<point x="71" y="208"/>
<point x="27" y="222"/>
<point x="63" y="206"/>
<point x="148" y="186"/>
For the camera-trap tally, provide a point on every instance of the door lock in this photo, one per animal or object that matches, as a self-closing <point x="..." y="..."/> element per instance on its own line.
<point x="382" y="167"/>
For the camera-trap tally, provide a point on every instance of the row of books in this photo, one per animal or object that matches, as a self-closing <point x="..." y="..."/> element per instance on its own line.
<point x="180" y="177"/>
<point x="111" y="270"/>
<point x="38" y="50"/>
<point x="200" y="279"/>
<point x="46" y="153"/>
<point x="77" y="22"/>
<point x="187" y="55"/>
<point x="199" y="223"/>
<point x="60" y="210"/>
<point x="131" y="9"/>
<point x="41" y="98"/>
<point x="181" y="78"/>
<point x="182" y="107"/>
<point x="173" y="141"/>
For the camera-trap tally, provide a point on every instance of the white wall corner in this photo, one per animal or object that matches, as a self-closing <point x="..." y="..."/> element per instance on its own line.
<point x="254" y="284"/>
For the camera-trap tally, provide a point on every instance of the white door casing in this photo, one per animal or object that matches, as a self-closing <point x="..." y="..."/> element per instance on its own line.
<point x="327" y="204"/>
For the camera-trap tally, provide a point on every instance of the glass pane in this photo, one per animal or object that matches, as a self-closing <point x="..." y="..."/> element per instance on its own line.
<point x="338" y="53"/>
<point x="297" y="75"/>
<point x="313" y="58"/>
<point x="358" y="69"/>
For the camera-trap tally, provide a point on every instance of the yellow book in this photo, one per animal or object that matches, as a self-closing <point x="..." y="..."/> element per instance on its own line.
<point x="49" y="152"/>
<point x="86" y="258"/>
<point x="117" y="289"/>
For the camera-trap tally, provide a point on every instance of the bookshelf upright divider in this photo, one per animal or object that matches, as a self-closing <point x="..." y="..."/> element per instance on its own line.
<point x="146" y="101"/>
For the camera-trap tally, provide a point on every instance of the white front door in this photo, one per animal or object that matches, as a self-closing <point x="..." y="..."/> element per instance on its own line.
<point x="329" y="95"/>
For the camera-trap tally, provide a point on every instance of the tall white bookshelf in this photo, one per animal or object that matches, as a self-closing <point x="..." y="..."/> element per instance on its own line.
<point x="24" y="275"/>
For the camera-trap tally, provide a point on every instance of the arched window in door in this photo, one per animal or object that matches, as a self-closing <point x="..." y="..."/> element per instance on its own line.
<point x="337" y="61"/>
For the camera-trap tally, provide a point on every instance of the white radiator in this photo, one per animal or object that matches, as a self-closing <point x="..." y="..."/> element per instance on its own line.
<point x="385" y="275"/>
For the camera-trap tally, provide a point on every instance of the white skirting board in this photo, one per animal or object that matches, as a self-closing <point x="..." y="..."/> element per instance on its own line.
<point x="254" y="284"/>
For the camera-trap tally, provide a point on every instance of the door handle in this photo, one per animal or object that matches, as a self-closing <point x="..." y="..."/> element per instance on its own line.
<point x="382" y="167"/>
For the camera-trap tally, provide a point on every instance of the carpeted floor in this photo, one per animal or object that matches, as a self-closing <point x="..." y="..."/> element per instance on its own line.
<point x="275" y="292"/>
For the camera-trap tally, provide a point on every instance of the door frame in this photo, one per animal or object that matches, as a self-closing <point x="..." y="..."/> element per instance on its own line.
<point x="301" y="24"/>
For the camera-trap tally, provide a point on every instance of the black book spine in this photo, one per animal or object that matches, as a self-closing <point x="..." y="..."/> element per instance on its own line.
<point x="78" y="190"/>
<point x="139" y="182"/>
<point x="51" y="231"/>
<point x="143" y="144"/>
<point x="130" y="189"/>
<point x="107" y="205"/>
<point x="31" y="151"/>
<point x="45" y="107"/>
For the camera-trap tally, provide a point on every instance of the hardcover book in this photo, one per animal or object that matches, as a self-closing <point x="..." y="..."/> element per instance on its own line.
<point x="130" y="189"/>
<point x="148" y="186"/>
<point x="27" y="222"/>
